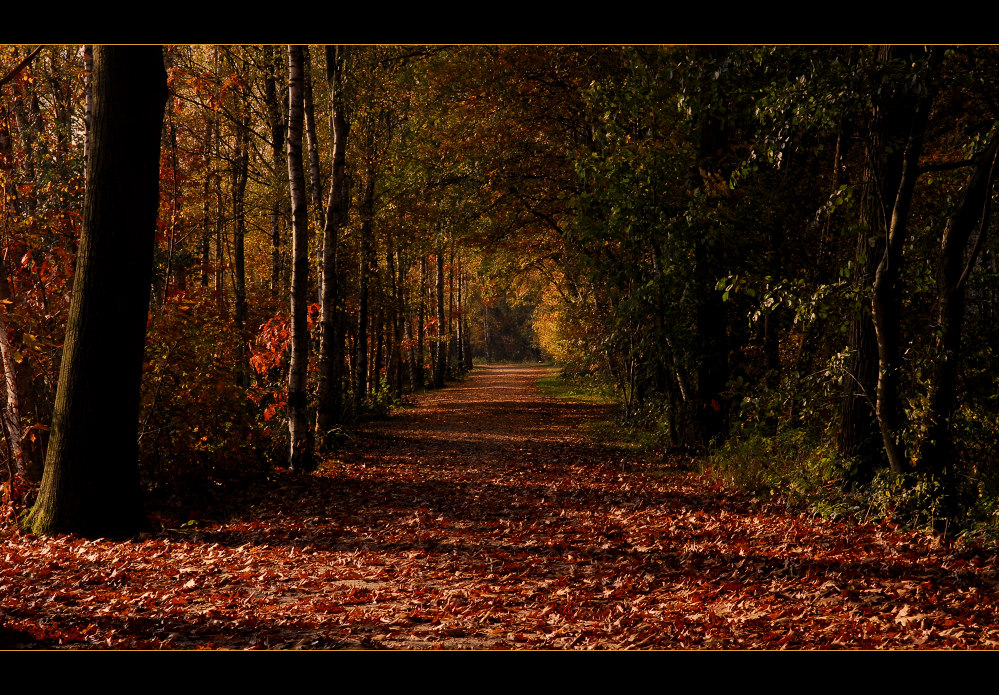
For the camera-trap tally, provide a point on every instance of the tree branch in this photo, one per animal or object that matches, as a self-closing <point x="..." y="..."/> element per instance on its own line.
<point x="20" y="66"/>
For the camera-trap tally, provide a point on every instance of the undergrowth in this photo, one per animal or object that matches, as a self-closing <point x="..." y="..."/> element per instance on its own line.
<point x="798" y="467"/>
<point x="805" y="471"/>
<point x="589" y="388"/>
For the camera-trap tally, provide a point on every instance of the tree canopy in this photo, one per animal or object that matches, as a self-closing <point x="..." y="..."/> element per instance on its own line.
<point x="748" y="243"/>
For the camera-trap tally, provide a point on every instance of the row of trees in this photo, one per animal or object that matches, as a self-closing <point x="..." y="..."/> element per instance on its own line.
<point x="746" y="238"/>
<point x="255" y="160"/>
<point x="797" y="237"/>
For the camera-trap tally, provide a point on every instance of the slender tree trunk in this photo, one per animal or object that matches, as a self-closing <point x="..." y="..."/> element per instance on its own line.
<point x="421" y="376"/>
<point x="315" y="176"/>
<point x="206" y="230"/>
<point x="485" y="332"/>
<point x="276" y="121"/>
<point x="378" y="347"/>
<point x="364" y="281"/>
<point x="953" y="270"/>
<point x="395" y="328"/>
<point x="859" y="436"/>
<point x="175" y="207"/>
<point x="440" y="368"/>
<point x="331" y="341"/>
<point x="460" y="324"/>
<point x="91" y="480"/>
<point x="240" y="173"/>
<point x="887" y="298"/>
<point x="88" y="98"/>
<point x="414" y="379"/>
<point x="26" y="450"/>
<point x="220" y="244"/>
<point x="301" y="456"/>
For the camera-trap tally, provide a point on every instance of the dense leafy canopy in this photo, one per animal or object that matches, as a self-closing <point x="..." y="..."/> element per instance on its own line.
<point x="747" y="242"/>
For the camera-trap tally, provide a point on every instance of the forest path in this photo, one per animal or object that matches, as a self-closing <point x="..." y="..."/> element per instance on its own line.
<point x="483" y="517"/>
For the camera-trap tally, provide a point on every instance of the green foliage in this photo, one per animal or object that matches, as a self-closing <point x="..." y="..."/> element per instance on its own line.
<point x="911" y="500"/>
<point x="586" y="388"/>
<point x="796" y="464"/>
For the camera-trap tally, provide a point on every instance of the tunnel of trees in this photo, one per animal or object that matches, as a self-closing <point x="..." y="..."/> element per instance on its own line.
<point x="779" y="244"/>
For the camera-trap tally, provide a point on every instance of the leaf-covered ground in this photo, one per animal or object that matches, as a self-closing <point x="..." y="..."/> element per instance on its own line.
<point x="484" y="518"/>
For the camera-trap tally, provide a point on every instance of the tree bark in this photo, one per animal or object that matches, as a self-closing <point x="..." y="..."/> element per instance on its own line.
<point x="936" y="448"/>
<point x="421" y="330"/>
<point x="300" y="457"/>
<point x="364" y="275"/>
<point x="330" y="394"/>
<point x="858" y="436"/>
<point x="440" y="366"/>
<point x="240" y="173"/>
<point x="315" y="175"/>
<point x="26" y="449"/>
<point x="276" y="121"/>
<point x="91" y="480"/>
<point x="886" y="306"/>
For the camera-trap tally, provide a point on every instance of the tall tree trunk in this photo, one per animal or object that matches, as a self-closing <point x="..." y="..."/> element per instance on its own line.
<point x="240" y="172"/>
<point x="25" y="449"/>
<point x="460" y="323"/>
<point x="206" y="230"/>
<point x="859" y="436"/>
<point x="276" y="121"/>
<point x="886" y="302"/>
<point x="395" y="327"/>
<point x="88" y="98"/>
<point x="91" y="480"/>
<point x="315" y="176"/>
<point x="301" y="457"/>
<point x="421" y="376"/>
<point x="953" y="270"/>
<point x="485" y="332"/>
<point x="331" y="342"/>
<point x="711" y="322"/>
<point x="364" y="280"/>
<point x="440" y="367"/>
<point x="175" y="207"/>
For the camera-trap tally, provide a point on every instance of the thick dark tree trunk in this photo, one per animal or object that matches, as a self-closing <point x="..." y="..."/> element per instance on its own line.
<point x="710" y="317"/>
<point x="91" y="480"/>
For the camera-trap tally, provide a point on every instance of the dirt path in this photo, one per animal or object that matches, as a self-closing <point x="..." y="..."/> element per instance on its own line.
<point x="483" y="518"/>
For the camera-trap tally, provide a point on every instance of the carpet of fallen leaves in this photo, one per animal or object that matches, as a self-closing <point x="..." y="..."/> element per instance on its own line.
<point x="484" y="518"/>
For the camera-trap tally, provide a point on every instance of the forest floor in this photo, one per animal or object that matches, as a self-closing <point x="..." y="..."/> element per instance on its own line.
<point x="484" y="517"/>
